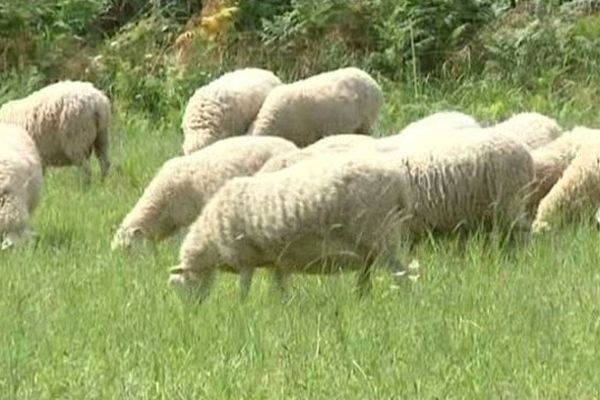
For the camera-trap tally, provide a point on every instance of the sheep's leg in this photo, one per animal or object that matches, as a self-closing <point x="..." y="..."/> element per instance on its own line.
<point x="101" y="151"/>
<point x="245" y="281"/>
<point x="280" y="281"/>
<point x="401" y="273"/>
<point x="364" y="283"/>
<point x="12" y="240"/>
<point x="86" y="171"/>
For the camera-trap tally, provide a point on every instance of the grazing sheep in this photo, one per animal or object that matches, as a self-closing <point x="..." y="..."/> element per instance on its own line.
<point x="458" y="177"/>
<point x="320" y="216"/>
<point x="531" y="128"/>
<point x="577" y="190"/>
<point x="21" y="183"/>
<point x="67" y="120"/>
<point x="440" y="120"/>
<point x="463" y="179"/>
<point x="551" y="160"/>
<point x="184" y="184"/>
<point x="328" y="145"/>
<point x="225" y="107"/>
<point x="346" y="100"/>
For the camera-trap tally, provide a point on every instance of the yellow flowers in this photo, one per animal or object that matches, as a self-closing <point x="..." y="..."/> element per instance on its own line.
<point x="209" y="27"/>
<point x="217" y="23"/>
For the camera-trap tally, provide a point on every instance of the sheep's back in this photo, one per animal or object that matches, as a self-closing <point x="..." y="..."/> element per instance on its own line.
<point x="456" y="179"/>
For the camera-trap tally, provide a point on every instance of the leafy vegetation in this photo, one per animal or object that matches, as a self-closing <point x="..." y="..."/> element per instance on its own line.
<point x="484" y="321"/>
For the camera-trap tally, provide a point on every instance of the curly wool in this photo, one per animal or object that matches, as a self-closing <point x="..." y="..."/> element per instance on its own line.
<point x="21" y="182"/>
<point x="551" y="161"/>
<point x="67" y="120"/>
<point x="464" y="179"/>
<point x="318" y="216"/>
<point x="577" y="189"/>
<point x="441" y="120"/>
<point x="333" y="144"/>
<point x="532" y="129"/>
<point x="183" y="185"/>
<point x="225" y="107"/>
<point x="346" y="100"/>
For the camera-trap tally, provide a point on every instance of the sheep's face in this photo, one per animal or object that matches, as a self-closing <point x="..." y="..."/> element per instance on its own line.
<point x="190" y="284"/>
<point x="127" y="238"/>
<point x="13" y="220"/>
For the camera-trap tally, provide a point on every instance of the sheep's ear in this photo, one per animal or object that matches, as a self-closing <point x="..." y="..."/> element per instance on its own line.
<point x="136" y="232"/>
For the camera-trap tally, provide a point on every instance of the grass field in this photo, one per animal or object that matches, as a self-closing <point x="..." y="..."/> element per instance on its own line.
<point x="79" y="322"/>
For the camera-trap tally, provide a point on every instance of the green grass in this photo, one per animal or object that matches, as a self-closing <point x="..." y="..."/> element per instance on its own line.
<point x="78" y="321"/>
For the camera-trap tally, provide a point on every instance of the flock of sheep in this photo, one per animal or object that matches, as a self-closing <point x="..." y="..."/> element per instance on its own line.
<point x="289" y="177"/>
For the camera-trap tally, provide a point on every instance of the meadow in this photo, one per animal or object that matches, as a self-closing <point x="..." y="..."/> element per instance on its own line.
<point x="485" y="320"/>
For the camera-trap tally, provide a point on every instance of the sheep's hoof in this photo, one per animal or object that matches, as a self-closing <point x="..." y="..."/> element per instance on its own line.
<point x="411" y="273"/>
<point x="540" y="227"/>
<point x="6" y="244"/>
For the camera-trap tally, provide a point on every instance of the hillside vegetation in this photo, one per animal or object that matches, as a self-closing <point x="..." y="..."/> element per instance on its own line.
<point x="484" y="321"/>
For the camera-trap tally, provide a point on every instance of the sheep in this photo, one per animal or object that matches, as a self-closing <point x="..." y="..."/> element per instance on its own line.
<point x="577" y="190"/>
<point x="533" y="129"/>
<point x="456" y="173"/>
<point x="225" y="107"/>
<point x="346" y="100"/>
<point x="440" y="120"/>
<point x="21" y="182"/>
<point x="319" y="216"/>
<point x="67" y="120"/>
<point x="463" y="179"/>
<point x="551" y="160"/>
<point x="328" y="145"/>
<point x="345" y="208"/>
<point x="183" y="185"/>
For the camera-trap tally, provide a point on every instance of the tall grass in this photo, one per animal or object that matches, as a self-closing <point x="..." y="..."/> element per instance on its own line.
<point x="484" y="321"/>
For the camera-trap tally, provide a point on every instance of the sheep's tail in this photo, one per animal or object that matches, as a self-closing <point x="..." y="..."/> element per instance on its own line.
<point x="101" y="144"/>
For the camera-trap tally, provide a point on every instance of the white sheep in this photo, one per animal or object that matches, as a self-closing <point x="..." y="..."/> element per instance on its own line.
<point x="333" y="144"/>
<point x="441" y="120"/>
<point x="577" y="189"/>
<point x="21" y="183"/>
<point x="551" y="160"/>
<point x="225" y="107"/>
<point x="346" y="100"/>
<point x="463" y="178"/>
<point x="457" y="174"/>
<point x="343" y="208"/>
<point x="183" y="185"/>
<point x="531" y="128"/>
<point x="319" y="216"/>
<point x="67" y="120"/>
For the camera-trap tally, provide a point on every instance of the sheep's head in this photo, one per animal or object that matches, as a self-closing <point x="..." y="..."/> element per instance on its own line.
<point x="190" y="284"/>
<point x="127" y="238"/>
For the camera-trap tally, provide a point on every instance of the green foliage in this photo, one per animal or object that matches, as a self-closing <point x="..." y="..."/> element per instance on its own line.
<point x="483" y="321"/>
<point x="79" y="321"/>
<point x="543" y="53"/>
<point x="391" y="34"/>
